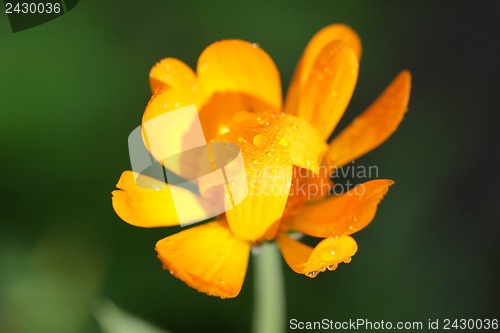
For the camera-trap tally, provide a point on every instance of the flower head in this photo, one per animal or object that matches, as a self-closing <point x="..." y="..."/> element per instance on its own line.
<point x="237" y="90"/>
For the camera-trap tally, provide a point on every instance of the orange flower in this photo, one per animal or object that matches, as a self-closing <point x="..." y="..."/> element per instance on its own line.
<point x="237" y="91"/>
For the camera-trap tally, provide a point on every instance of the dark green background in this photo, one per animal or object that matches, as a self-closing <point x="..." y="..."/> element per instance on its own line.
<point x="72" y="90"/>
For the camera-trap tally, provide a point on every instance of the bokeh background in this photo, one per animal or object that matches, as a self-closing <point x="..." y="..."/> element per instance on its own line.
<point x="72" y="89"/>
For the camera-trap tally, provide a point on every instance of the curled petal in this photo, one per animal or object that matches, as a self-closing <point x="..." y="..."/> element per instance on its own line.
<point x="330" y="252"/>
<point x="344" y="214"/>
<point x="207" y="258"/>
<point x="374" y="125"/>
<point x="147" y="202"/>
<point x="334" y="32"/>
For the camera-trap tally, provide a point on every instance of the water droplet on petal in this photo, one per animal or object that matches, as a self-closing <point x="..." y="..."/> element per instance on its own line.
<point x="332" y="267"/>
<point x="283" y="142"/>
<point x="295" y="128"/>
<point x="260" y="140"/>
<point x="241" y="139"/>
<point x="347" y="260"/>
<point x="312" y="274"/>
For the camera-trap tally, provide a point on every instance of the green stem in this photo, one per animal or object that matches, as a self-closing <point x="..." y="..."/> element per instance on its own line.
<point x="269" y="306"/>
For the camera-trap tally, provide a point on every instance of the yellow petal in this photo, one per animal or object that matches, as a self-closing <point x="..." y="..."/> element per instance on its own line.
<point x="268" y="168"/>
<point x="374" y="125"/>
<point x="344" y="214"/>
<point x="330" y="252"/>
<point x="173" y="73"/>
<point x="171" y="129"/>
<point x="207" y="258"/>
<point x="147" y="202"/>
<point x="270" y="144"/>
<point x="241" y="67"/>
<point x="217" y="113"/>
<point x="339" y="32"/>
<point x="303" y="142"/>
<point x="329" y="87"/>
<point x="305" y="187"/>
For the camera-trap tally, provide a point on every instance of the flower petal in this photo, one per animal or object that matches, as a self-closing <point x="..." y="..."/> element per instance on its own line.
<point x="268" y="168"/>
<point x="329" y="88"/>
<point x="374" y="125"/>
<point x="207" y="258"/>
<point x="303" y="142"/>
<point x="171" y="129"/>
<point x="344" y="214"/>
<point x="304" y="259"/>
<point x="339" y="32"/>
<point x="153" y="203"/>
<point x="173" y="73"/>
<point x="242" y="67"/>
<point x="217" y="113"/>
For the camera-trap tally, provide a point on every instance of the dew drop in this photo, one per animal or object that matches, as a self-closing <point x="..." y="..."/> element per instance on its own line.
<point x="277" y="159"/>
<point x="332" y="267"/>
<point x="274" y="171"/>
<point x="255" y="45"/>
<point x="295" y="128"/>
<point x="241" y="139"/>
<point x="222" y="282"/>
<point x="260" y="140"/>
<point x="283" y="142"/>
<point x="347" y="260"/>
<point x="312" y="274"/>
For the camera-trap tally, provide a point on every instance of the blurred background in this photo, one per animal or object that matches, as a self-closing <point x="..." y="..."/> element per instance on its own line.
<point x="71" y="91"/>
